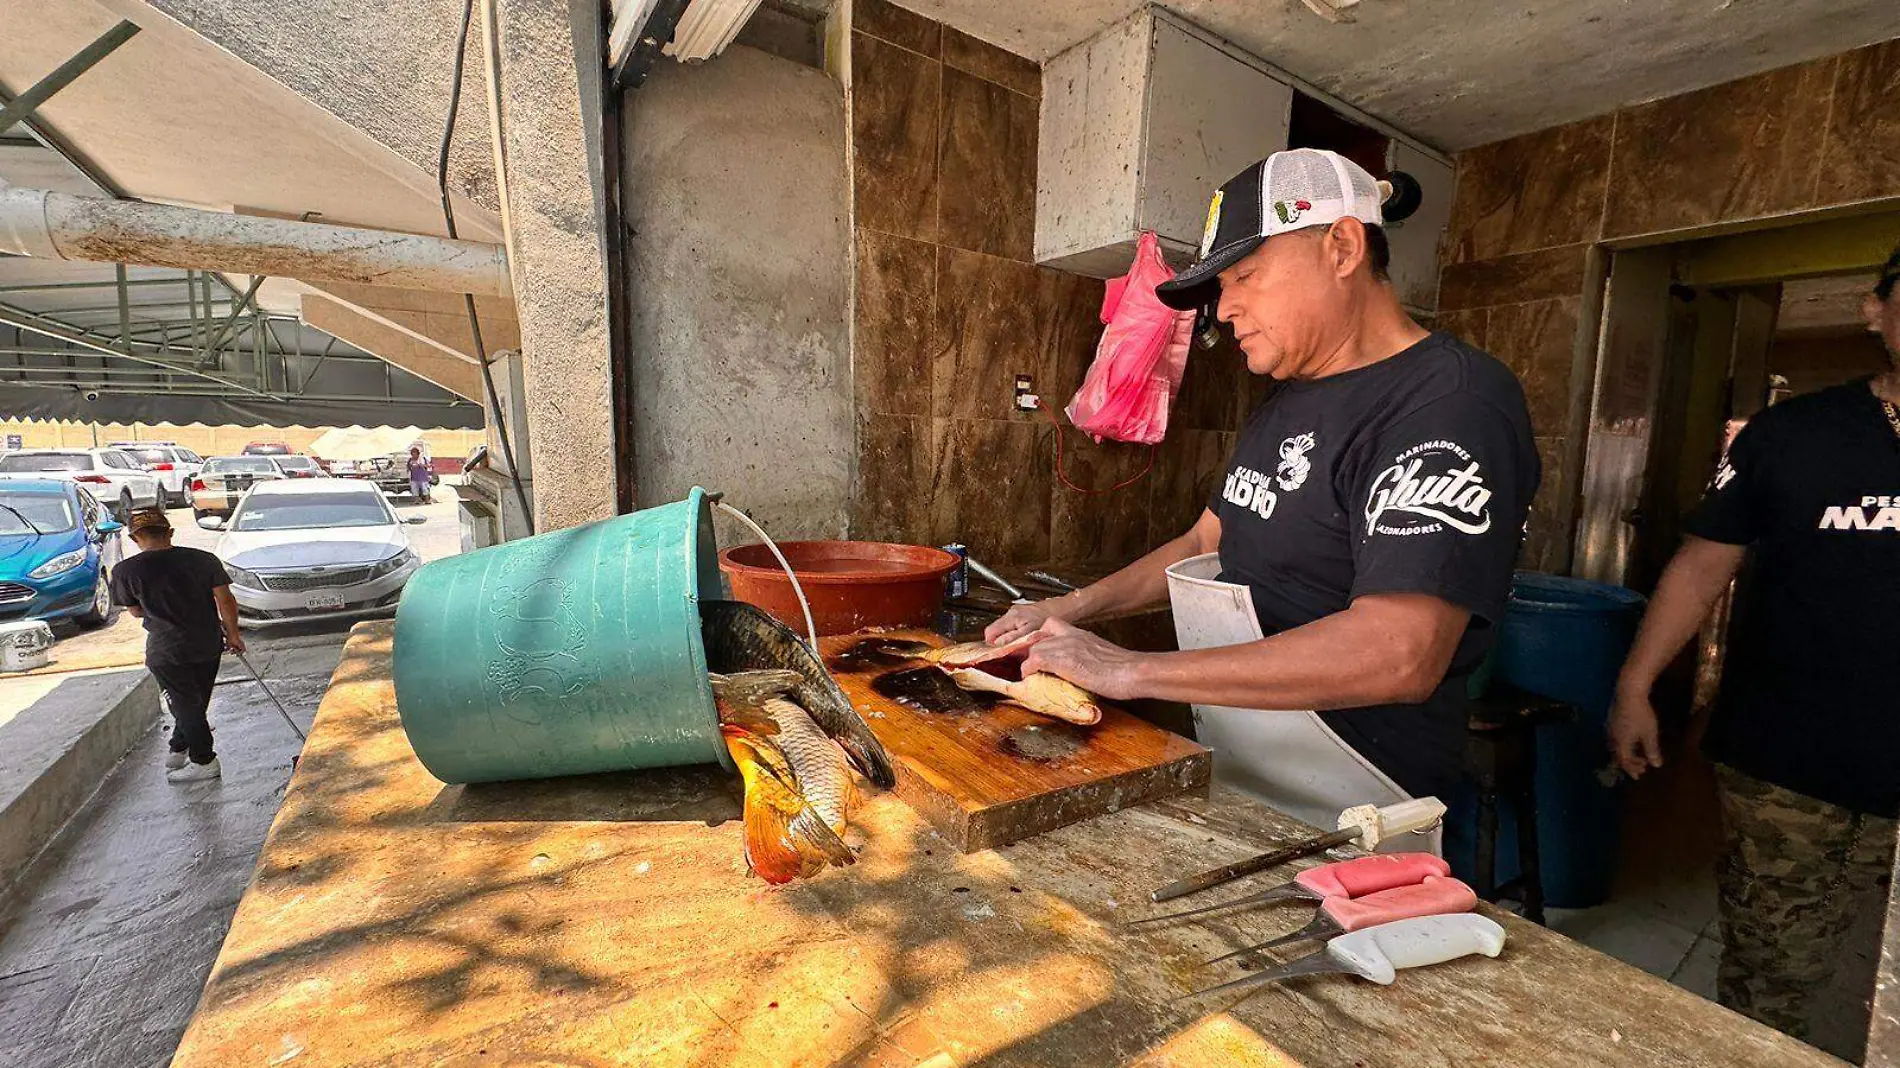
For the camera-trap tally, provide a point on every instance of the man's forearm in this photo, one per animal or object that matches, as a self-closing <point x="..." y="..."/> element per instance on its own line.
<point x="1137" y="586"/>
<point x="227" y="612"/>
<point x="1372" y="654"/>
<point x="1689" y="586"/>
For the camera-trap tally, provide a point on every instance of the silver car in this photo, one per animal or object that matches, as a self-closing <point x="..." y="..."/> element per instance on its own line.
<point x="306" y="548"/>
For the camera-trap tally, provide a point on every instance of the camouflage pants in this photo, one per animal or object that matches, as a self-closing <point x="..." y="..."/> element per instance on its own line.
<point x="1793" y="870"/>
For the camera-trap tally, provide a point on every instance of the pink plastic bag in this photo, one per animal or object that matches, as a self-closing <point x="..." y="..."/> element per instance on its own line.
<point x="1140" y="359"/>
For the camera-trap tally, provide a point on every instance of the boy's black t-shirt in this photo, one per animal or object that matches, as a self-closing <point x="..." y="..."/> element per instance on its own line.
<point x="1410" y="475"/>
<point x="173" y="587"/>
<point x="1807" y="700"/>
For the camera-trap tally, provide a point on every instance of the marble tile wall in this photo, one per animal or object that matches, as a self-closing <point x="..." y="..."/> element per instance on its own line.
<point x="1526" y="210"/>
<point x="950" y="308"/>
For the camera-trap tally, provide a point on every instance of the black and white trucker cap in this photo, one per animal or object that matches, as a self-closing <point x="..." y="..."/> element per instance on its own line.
<point x="1287" y="191"/>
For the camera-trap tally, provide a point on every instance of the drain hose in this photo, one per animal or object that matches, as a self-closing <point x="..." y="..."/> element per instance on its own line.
<point x="798" y="590"/>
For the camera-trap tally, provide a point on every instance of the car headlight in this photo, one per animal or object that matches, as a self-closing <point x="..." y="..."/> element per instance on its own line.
<point x="243" y="577"/>
<point x="395" y="563"/>
<point x="59" y="565"/>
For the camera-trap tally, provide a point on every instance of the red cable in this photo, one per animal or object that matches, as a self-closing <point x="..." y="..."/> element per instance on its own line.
<point x="1064" y="478"/>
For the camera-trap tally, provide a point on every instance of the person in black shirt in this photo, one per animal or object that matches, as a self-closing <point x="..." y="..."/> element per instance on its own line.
<point x="184" y="597"/>
<point x="1806" y="729"/>
<point x="1371" y="513"/>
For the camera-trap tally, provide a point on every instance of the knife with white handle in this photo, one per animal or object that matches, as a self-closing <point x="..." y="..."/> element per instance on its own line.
<point x="1380" y="953"/>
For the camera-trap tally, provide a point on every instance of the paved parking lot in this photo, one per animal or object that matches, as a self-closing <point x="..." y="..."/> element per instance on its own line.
<point x="122" y="643"/>
<point x="106" y="940"/>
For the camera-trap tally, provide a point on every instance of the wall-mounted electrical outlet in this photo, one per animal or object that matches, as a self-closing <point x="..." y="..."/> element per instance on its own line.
<point x="1026" y="399"/>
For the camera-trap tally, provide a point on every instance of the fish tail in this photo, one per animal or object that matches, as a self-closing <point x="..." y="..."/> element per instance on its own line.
<point x="785" y="837"/>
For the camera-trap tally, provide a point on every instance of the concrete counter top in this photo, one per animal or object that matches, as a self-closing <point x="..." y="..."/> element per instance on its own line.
<point x="609" y="920"/>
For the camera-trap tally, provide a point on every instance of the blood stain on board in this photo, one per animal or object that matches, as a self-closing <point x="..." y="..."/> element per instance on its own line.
<point x="928" y="689"/>
<point x="1044" y="744"/>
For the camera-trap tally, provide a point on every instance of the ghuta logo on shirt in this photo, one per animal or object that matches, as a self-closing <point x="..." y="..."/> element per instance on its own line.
<point x="1428" y="482"/>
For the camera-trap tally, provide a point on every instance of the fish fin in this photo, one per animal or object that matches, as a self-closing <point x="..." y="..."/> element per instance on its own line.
<point x="753" y="687"/>
<point x="817" y="844"/>
<point x="770" y="808"/>
<point x="870" y="761"/>
<point x="751" y="719"/>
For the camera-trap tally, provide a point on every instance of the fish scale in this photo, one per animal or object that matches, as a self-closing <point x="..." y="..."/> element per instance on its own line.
<point x="816" y="760"/>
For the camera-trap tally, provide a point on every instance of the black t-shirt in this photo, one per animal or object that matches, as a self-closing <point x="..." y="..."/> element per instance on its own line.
<point x="1808" y="700"/>
<point x="1411" y="475"/>
<point x="173" y="586"/>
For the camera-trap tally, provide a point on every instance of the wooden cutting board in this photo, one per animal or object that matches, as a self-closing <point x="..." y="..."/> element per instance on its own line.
<point x="986" y="773"/>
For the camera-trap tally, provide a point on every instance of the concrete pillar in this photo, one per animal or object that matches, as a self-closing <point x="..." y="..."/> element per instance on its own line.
<point x="547" y="109"/>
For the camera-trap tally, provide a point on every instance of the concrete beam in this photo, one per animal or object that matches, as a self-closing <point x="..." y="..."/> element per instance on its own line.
<point x="423" y="357"/>
<point x="545" y="64"/>
<point x="1833" y="246"/>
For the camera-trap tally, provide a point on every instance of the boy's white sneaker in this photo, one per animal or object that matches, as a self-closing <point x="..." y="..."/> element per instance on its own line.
<point x="195" y="772"/>
<point x="175" y="759"/>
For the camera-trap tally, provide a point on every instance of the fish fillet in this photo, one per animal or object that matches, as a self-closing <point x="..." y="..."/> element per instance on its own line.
<point x="989" y="669"/>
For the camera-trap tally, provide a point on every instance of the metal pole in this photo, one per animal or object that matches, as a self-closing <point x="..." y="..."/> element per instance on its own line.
<point x="242" y="303"/>
<point x="125" y="305"/>
<point x="63" y="75"/>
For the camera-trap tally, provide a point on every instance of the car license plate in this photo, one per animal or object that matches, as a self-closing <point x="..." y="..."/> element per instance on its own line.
<point x="316" y="601"/>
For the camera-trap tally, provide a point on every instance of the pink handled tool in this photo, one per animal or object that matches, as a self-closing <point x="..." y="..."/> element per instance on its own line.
<point x="1345" y="878"/>
<point x="1379" y="953"/>
<point x="1436" y="896"/>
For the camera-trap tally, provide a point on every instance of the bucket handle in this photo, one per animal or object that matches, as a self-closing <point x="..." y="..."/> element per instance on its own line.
<point x="803" y="604"/>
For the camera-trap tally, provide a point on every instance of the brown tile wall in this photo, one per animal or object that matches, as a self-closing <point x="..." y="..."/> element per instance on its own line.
<point x="1815" y="135"/>
<point x="950" y="308"/>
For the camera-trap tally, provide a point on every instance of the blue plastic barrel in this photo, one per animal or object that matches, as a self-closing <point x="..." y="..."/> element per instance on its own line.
<point x="570" y="652"/>
<point x="1566" y="638"/>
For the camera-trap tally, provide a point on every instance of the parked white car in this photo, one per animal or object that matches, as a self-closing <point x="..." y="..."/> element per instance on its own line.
<point x="306" y="548"/>
<point x="172" y="464"/>
<point x="113" y="475"/>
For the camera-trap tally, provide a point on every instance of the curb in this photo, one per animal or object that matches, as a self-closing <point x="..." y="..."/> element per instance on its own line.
<point x="57" y="753"/>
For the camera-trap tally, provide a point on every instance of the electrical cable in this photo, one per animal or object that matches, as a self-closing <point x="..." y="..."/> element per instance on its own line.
<point x="1063" y="476"/>
<point x="468" y="299"/>
<point x="797" y="589"/>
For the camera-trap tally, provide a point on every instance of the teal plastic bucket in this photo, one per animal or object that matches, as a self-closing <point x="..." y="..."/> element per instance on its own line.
<point x="566" y="653"/>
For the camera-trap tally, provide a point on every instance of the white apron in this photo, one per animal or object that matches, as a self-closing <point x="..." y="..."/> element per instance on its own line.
<point x="1290" y="760"/>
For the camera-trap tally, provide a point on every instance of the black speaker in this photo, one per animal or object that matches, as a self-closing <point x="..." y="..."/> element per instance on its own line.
<point x="1405" y="199"/>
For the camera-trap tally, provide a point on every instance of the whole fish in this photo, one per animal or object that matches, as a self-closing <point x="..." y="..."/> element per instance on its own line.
<point x="742" y="638"/>
<point x="823" y="776"/>
<point x="785" y="836"/>
<point x="999" y="669"/>
<point x="798" y="789"/>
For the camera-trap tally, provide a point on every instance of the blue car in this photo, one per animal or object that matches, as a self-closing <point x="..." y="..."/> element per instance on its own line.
<point x="56" y="545"/>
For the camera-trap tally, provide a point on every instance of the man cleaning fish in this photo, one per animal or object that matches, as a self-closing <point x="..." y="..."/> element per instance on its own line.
<point x="1365" y="528"/>
<point x="1345" y="579"/>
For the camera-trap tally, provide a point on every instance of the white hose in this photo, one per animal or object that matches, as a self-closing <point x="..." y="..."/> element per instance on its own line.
<point x="803" y="604"/>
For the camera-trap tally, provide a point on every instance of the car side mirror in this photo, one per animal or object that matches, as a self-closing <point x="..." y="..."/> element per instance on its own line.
<point x="211" y="522"/>
<point x="109" y="526"/>
<point x="412" y="520"/>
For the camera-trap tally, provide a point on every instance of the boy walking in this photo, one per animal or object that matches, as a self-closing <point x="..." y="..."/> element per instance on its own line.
<point x="184" y="597"/>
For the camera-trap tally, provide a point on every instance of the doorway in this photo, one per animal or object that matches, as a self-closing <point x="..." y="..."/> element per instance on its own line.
<point x="1696" y="335"/>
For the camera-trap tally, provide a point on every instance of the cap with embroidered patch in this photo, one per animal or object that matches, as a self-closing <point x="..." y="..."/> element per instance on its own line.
<point x="1287" y="191"/>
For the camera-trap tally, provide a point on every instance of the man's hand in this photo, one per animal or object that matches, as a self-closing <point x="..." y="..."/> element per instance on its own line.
<point x="233" y="640"/>
<point x="1023" y="619"/>
<point x="1098" y="666"/>
<point x="1633" y="734"/>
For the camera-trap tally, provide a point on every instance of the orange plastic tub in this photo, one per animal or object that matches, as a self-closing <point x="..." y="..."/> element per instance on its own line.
<point x="850" y="584"/>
